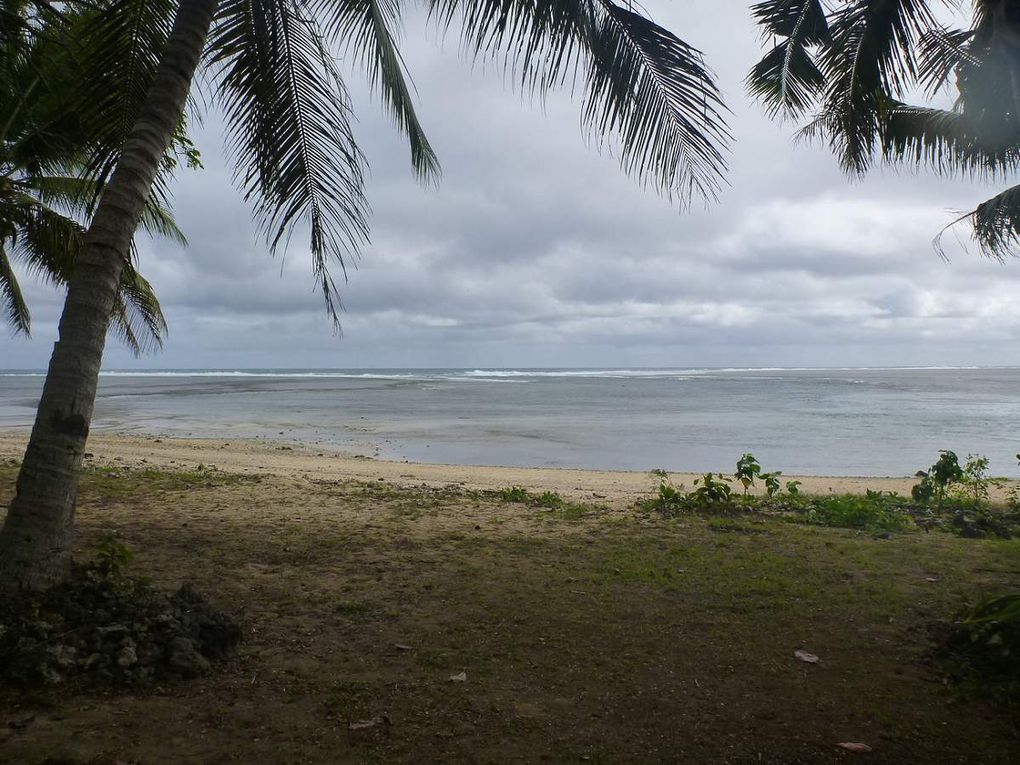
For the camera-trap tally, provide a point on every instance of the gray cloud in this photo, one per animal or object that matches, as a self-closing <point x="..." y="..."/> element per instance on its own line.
<point x="535" y="250"/>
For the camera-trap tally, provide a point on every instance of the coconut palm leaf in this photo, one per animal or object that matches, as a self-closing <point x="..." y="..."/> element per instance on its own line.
<point x="368" y="29"/>
<point x="941" y="51"/>
<point x="787" y="80"/>
<point x="878" y="52"/>
<point x="645" y="90"/>
<point x="48" y="245"/>
<point x="289" y="123"/>
<point x="872" y="58"/>
<point x="997" y="223"/>
<point x="14" y="305"/>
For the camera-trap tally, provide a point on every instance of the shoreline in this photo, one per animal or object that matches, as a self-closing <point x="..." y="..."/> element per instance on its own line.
<point x="288" y="460"/>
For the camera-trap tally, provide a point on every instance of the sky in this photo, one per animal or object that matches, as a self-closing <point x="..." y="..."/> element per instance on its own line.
<point x="535" y="250"/>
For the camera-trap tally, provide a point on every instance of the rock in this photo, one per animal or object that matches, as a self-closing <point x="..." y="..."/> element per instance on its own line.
<point x="185" y="660"/>
<point x="127" y="657"/>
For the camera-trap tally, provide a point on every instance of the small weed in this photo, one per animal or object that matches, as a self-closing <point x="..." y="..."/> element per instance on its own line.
<point x="515" y="494"/>
<point x="548" y="499"/>
<point x="876" y="511"/>
<point x="659" y="472"/>
<point x="747" y="470"/>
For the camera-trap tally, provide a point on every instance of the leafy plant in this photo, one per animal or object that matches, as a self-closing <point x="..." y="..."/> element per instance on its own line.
<point x="772" y="485"/>
<point x="747" y="470"/>
<point x="112" y="557"/>
<point x="984" y="646"/>
<point x="517" y="494"/>
<point x="975" y="478"/>
<point x="944" y="473"/>
<point x="548" y="499"/>
<point x="793" y="488"/>
<point x="659" y="472"/>
<point x="712" y="490"/>
<point x="876" y="511"/>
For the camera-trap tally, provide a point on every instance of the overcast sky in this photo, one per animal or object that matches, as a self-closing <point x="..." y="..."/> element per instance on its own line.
<point x="537" y="251"/>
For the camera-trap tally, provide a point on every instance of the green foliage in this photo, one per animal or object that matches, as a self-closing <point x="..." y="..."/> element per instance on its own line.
<point x="747" y="470"/>
<point x="940" y="477"/>
<point x="772" y="485"/>
<point x="793" y="488"/>
<point x="983" y="648"/>
<point x="659" y="472"/>
<point x="112" y="557"/>
<point x="548" y="499"/>
<point x="515" y="494"/>
<point x="876" y="511"/>
<point x="852" y="65"/>
<point x="712" y="491"/>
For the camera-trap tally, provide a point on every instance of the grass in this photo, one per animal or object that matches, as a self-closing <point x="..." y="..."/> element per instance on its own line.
<point x="586" y="633"/>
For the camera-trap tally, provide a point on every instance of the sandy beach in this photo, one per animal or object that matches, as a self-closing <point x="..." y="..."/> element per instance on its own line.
<point x="288" y="459"/>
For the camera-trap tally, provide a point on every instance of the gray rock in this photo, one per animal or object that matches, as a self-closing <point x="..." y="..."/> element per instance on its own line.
<point x="185" y="660"/>
<point x="127" y="656"/>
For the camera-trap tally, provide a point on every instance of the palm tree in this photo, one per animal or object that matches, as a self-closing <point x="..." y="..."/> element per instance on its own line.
<point x="271" y="68"/>
<point x="854" y="63"/>
<point x="43" y="190"/>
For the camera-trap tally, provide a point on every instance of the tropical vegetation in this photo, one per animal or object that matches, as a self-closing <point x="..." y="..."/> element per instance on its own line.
<point x="853" y="68"/>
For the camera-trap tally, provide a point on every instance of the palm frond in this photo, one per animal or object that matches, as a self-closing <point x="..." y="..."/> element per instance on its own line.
<point x="138" y="316"/>
<point x="871" y="60"/>
<point x="117" y="45"/>
<point x="368" y="29"/>
<point x="290" y="133"/>
<point x="787" y="79"/>
<point x="645" y="90"/>
<point x="14" y="305"/>
<point x="942" y="50"/>
<point x="159" y="221"/>
<point x="945" y="141"/>
<point x="996" y="224"/>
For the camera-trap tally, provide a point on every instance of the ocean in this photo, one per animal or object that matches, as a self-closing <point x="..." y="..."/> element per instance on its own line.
<point x="799" y="421"/>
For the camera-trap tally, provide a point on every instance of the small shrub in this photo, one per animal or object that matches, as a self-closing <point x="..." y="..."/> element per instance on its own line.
<point x="659" y="472"/>
<point x="876" y="511"/>
<point x="772" y="485"/>
<point x="983" y="648"/>
<point x="112" y="557"/>
<point x="549" y="499"/>
<point x="793" y="488"/>
<point x="713" y="491"/>
<point x="747" y="470"/>
<point x="516" y="494"/>
<point x="940" y="477"/>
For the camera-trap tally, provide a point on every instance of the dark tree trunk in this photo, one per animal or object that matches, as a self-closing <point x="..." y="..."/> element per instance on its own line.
<point x="35" y="542"/>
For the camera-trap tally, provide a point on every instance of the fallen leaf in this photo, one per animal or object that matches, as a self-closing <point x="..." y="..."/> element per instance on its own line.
<point x="366" y="724"/>
<point x="851" y="746"/>
<point x="460" y="677"/>
<point x="810" y="658"/>
<point x="402" y="647"/>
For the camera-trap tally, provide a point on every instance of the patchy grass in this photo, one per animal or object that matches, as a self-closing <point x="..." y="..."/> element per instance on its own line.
<point x="585" y="633"/>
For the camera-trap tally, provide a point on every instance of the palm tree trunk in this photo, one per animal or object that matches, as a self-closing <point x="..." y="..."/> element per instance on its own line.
<point x="35" y="542"/>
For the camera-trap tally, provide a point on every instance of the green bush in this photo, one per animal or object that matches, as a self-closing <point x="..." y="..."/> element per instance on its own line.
<point x="983" y="648"/>
<point x="517" y="494"/>
<point x="876" y="511"/>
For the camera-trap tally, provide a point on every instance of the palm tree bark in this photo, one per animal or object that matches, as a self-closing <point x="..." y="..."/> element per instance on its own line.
<point x="35" y="542"/>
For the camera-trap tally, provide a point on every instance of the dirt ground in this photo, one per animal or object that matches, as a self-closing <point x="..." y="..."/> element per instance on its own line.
<point x="401" y="623"/>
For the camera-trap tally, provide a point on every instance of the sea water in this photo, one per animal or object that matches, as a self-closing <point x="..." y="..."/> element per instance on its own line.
<point x="800" y="421"/>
